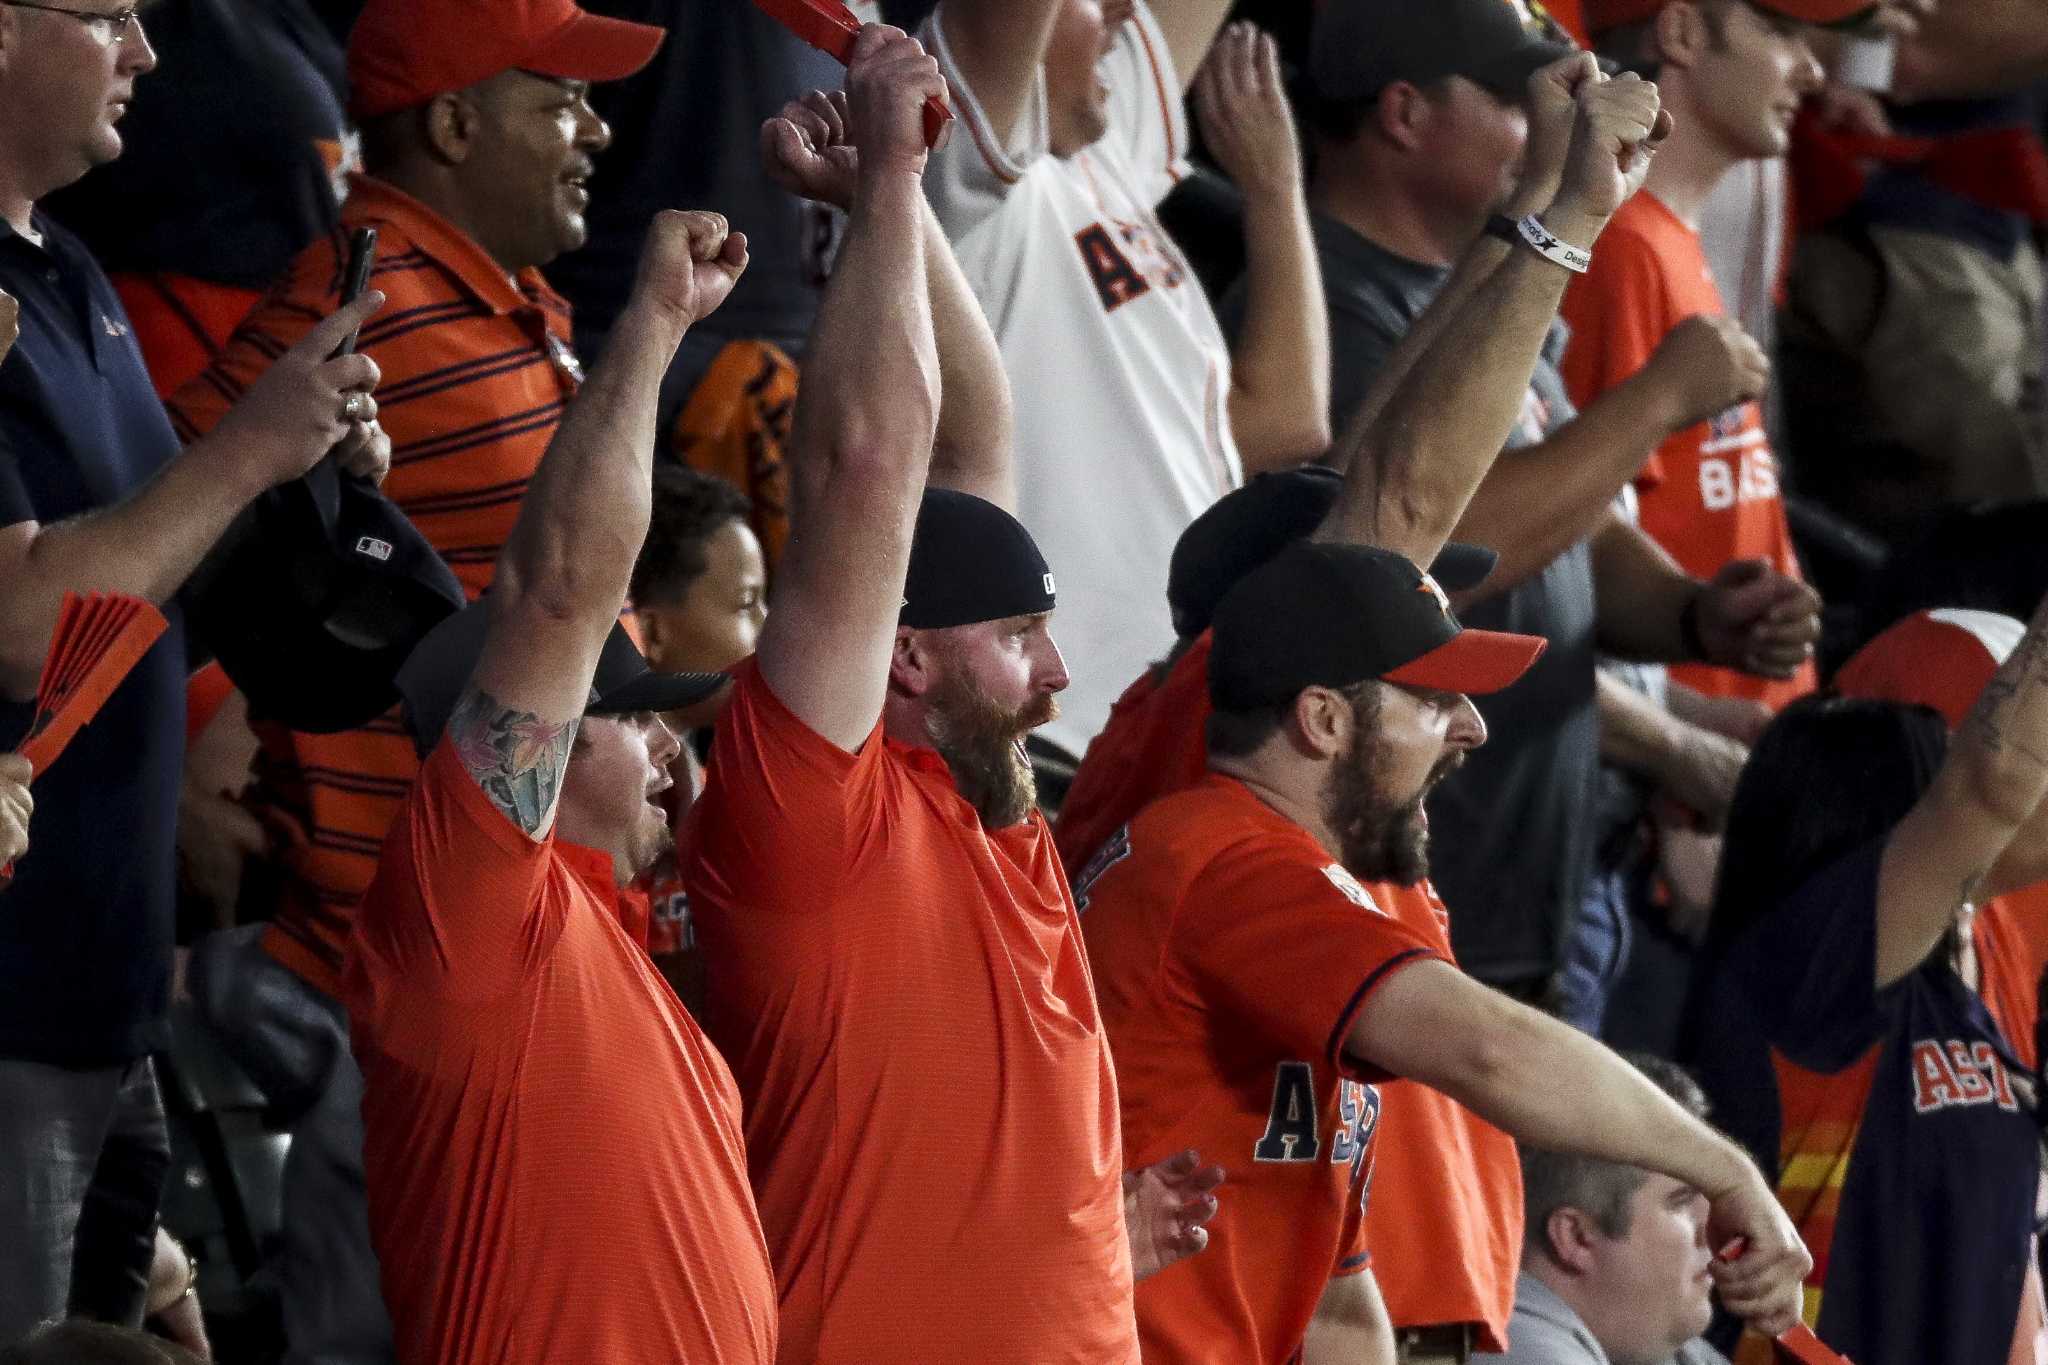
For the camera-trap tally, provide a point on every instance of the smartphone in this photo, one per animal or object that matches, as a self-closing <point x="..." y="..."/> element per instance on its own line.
<point x="362" y="254"/>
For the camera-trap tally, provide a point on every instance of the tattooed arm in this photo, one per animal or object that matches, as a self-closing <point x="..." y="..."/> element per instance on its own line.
<point x="561" y="578"/>
<point x="1949" y="847"/>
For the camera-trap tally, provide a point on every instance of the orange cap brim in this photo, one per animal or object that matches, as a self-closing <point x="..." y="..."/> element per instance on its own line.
<point x="1474" y="662"/>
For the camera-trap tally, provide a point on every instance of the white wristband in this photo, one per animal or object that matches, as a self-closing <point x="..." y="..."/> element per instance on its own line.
<point x="1550" y="247"/>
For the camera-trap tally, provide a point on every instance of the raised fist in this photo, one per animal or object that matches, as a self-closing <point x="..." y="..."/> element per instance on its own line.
<point x="804" y="149"/>
<point x="1620" y="122"/>
<point x="690" y="263"/>
<point x="1553" y="112"/>
<point x="1705" y="366"/>
<point x="887" y="83"/>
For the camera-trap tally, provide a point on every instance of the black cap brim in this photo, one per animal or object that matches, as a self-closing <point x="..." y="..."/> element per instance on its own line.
<point x="652" y="691"/>
<point x="1508" y="74"/>
<point x="1459" y="567"/>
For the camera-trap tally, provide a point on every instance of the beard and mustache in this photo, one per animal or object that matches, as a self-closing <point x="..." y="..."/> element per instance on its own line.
<point x="983" y="743"/>
<point x="1382" y="839"/>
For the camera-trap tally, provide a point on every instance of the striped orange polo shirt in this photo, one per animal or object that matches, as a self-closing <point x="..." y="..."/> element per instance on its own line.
<point x="477" y="372"/>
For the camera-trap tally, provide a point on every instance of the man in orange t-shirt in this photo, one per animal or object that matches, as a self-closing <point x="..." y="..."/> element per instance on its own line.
<point x="552" y="1149"/>
<point x="894" y="967"/>
<point x="1732" y="77"/>
<point x="1250" y="978"/>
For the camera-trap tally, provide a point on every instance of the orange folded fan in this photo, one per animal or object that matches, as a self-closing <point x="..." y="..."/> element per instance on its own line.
<point x="831" y="28"/>
<point x="100" y="637"/>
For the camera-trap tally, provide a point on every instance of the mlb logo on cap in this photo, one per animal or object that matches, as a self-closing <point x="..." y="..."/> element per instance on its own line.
<point x="376" y="549"/>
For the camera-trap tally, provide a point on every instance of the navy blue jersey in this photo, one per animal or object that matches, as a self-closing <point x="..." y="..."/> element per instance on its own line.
<point x="1895" y="1123"/>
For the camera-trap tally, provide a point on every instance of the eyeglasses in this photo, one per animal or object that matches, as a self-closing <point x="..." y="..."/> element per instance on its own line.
<point x="109" y="29"/>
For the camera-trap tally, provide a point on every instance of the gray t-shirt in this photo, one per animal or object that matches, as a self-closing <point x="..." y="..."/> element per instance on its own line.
<point x="1545" y="1331"/>
<point x="1510" y="833"/>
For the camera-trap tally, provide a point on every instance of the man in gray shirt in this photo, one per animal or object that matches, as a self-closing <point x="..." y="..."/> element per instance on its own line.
<point x="1614" y="1257"/>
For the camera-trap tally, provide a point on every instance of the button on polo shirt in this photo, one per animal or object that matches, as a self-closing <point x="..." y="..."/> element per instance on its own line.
<point x="85" y="926"/>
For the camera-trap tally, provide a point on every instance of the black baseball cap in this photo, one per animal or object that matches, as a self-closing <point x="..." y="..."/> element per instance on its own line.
<point x="1360" y="47"/>
<point x="1327" y="615"/>
<point x="971" y="561"/>
<point x="434" y="677"/>
<point x="1249" y="525"/>
<point x="315" y="596"/>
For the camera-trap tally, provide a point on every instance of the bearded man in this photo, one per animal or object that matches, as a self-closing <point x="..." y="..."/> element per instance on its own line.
<point x="1255" y="991"/>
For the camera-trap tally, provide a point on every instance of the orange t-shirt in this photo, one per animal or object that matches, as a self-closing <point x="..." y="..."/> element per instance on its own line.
<point x="1231" y="954"/>
<point x="1445" y="1222"/>
<point x="1709" y="495"/>
<point x="905" y="999"/>
<point x="477" y="372"/>
<point x="552" y="1148"/>
<point x="1142" y="754"/>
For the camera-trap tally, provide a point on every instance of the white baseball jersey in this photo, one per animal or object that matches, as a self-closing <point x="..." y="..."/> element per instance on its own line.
<point x="1120" y="373"/>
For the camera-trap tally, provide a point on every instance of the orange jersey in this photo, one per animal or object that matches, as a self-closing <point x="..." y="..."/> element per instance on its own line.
<point x="1231" y="954"/>
<point x="1155" y="743"/>
<point x="905" y="999"/>
<point x="477" y="371"/>
<point x="1447" y="1203"/>
<point x="1710" y="494"/>
<point x="552" y="1148"/>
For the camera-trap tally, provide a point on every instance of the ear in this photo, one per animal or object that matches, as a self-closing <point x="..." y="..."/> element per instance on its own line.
<point x="1680" y="34"/>
<point x="656" y="631"/>
<point x="911" y="666"/>
<point x="449" y="124"/>
<point x="1320" y="722"/>
<point x="1403" y="113"/>
<point x="1568" y="1235"/>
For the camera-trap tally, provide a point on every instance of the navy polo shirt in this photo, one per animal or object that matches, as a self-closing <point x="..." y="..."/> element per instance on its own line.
<point x="86" y="923"/>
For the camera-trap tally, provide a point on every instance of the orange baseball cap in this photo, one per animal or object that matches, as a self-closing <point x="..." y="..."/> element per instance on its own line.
<point x="1606" y="14"/>
<point x="404" y="52"/>
<point x="1938" y="658"/>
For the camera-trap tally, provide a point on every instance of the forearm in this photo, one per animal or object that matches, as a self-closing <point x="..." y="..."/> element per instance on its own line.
<point x="146" y="547"/>
<point x="1642" y="595"/>
<point x="1549" y="1085"/>
<point x="1280" y="368"/>
<point x="1350" y="1326"/>
<point x="1974" y="48"/>
<point x="584" y="516"/>
<point x="1419" y="463"/>
<point x="1636" y="734"/>
<point x="975" y="447"/>
<point x="1539" y="501"/>
<point x="871" y="378"/>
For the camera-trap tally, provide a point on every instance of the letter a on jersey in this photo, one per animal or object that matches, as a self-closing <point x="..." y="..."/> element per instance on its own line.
<point x="1291" y="1128"/>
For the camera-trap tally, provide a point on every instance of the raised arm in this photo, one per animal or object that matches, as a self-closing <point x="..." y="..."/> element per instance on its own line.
<point x="1547" y="1084"/>
<point x="805" y="150"/>
<point x="1416" y="460"/>
<point x="1990" y="787"/>
<point x="866" y="419"/>
<point x="561" y="578"/>
<point x="1974" y="47"/>
<point x="1280" y="367"/>
<point x="999" y="46"/>
<point x="148" y="545"/>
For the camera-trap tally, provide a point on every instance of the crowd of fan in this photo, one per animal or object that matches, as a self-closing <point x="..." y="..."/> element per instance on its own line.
<point x="1290" y="643"/>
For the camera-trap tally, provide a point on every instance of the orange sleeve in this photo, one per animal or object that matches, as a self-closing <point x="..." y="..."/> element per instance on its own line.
<point x="1291" y="948"/>
<point x="452" y="909"/>
<point x="779" y="801"/>
<point x="205" y="693"/>
<point x="1619" y="312"/>
<point x="307" y="293"/>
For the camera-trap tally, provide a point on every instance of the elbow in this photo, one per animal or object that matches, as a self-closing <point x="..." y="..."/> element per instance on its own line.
<point x="2001" y="787"/>
<point x="1269" y="434"/>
